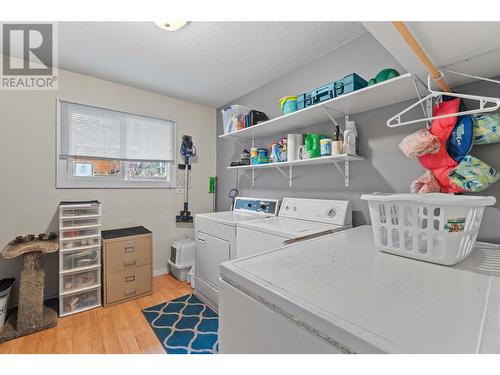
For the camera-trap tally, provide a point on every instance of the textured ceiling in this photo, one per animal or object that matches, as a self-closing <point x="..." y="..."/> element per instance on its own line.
<point x="468" y="47"/>
<point x="206" y="62"/>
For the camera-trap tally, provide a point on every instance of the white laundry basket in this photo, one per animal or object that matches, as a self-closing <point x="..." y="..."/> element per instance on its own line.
<point x="435" y="227"/>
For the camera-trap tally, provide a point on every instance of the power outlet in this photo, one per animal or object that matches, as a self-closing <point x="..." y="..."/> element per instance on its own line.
<point x="180" y="183"/>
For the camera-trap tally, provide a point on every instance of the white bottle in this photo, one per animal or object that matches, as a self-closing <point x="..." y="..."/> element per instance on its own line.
<point x="350" y="138"/>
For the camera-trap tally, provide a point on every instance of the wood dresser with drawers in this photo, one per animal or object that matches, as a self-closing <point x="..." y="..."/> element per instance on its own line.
<point x="127" y="264"/>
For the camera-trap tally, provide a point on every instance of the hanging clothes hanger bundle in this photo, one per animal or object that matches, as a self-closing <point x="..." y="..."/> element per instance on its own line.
<point x="485" y="103"/>
<point x="451" y="164"/>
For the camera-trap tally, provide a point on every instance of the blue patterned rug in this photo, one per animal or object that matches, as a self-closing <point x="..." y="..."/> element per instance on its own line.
<point x="184" y="325"/>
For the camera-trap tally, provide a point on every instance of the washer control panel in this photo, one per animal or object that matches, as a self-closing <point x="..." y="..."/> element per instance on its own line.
<point x="321" y="210"/>
<point x="267" y="207"/>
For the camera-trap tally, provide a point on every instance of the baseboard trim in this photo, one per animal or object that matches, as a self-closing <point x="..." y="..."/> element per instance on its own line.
<point x="162" y="271"/>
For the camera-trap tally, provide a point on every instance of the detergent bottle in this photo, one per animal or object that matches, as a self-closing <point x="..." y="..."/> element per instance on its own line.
<point x="350" y="138"/>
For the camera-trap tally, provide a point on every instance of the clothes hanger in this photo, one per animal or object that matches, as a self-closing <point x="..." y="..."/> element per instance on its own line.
<point x="486" y="104"/>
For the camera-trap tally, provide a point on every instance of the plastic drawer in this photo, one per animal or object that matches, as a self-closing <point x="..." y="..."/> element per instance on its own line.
<point x="85" y="243"/>
<point x="81" y="301"/>
<point x="80" y="234"/>
<point x="81" y="211"/>
<point x="77" y="222"/>
<point x="80" y="259"/>
<point x="80" y="280"/>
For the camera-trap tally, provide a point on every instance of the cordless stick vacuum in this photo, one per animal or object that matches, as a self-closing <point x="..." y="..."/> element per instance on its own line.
<point x="187" y="152"/>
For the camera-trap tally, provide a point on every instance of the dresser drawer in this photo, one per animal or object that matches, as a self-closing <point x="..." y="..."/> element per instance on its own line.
<point x="128" y="253"/>
<point x="128" y="283"/>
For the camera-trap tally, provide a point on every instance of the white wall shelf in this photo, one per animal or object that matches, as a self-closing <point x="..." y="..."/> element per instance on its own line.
<point x="334" y="160"/>
<point x="390" y="92"/>
<point x="393" y="91"/>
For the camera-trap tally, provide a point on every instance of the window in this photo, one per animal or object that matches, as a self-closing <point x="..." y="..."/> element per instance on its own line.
<point x="98" y="147"/>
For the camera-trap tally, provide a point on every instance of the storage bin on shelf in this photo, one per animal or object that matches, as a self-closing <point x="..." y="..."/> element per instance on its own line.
<point x="304" y="100"/>
<point x="232" y="117"/>
<point x="323" y="93"/>
<point x="288" y="104"/>
<point x="349" y="83"/>
<point x="436" y="227"/>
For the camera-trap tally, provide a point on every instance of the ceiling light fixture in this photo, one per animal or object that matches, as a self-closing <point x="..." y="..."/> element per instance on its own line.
<point x="171" y="26"/>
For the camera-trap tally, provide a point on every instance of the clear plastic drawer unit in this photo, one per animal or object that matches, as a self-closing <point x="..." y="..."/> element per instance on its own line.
<point x="79" y="256"/>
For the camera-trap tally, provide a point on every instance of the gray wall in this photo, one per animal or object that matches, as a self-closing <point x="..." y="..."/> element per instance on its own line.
<point x="385" y="169"/>
<point x="29" y="198"/>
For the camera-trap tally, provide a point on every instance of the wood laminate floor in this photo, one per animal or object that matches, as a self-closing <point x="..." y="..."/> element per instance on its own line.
<point x="119" y="329"/>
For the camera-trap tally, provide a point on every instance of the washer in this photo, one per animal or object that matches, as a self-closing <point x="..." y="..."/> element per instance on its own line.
<point x="297" y="218"/>
<point x="216" y="241"/>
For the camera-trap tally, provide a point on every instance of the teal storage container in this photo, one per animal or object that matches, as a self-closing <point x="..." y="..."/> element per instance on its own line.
<point x="323" y="93"/>
<point x="303" y="100"/>
<point x="349" y="83"/>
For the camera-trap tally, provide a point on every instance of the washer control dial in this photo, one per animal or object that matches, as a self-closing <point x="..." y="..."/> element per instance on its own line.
<point x="331" y="212"/>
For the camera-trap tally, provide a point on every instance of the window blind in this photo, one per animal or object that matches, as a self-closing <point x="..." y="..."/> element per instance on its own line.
<point x="87" y="131"/>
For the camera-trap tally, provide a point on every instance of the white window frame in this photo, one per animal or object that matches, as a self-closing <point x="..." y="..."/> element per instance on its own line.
<point x="65" y="180"/>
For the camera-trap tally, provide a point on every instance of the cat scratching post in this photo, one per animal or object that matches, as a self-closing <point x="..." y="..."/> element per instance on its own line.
<point x="31" y="315"/>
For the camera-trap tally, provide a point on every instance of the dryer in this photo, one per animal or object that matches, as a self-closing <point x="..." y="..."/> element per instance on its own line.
<point x="298" y="218"/>
<point x="216" y="241"/>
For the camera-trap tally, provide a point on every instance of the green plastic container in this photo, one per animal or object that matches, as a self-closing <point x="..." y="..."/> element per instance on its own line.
<point x="313" y="145"/>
